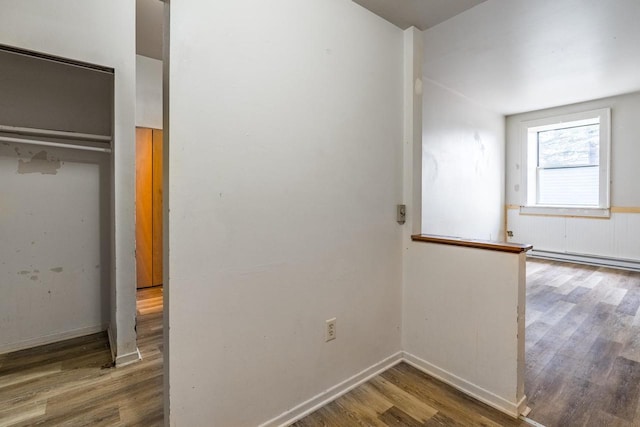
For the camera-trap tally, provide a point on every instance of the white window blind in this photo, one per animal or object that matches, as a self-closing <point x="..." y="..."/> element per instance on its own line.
<point x="568" y="160"/>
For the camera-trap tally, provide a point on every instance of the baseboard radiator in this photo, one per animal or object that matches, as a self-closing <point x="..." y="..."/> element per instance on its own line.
<point x="600" y="261"/>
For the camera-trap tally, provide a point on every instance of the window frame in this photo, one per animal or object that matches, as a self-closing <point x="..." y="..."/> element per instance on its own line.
<point x="529" y="146"/>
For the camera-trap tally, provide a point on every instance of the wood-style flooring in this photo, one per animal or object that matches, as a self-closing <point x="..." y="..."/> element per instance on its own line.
<point x="582" y="356"/>
<point x="582" y="362"/>
<point x="404" y="396"/>
<point x="582" y="345"/>
<point x="72" y="383"/>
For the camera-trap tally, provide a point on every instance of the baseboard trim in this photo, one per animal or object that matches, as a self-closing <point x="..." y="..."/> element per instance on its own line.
<point x="513" y="409"/>
<point x="112" y="344"/>
<point x="316" y="402"/>
<point x="50" y="339"/>
<point x="127" y="359"/>
<point x="599" y="261"/>
<point x="522" y="406"/>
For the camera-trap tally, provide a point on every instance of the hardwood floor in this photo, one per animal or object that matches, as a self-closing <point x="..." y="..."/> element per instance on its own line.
<point x="582" y="345"/>
<point x="404" y="396"/>
<point x="582" y="355"/>
<point x="71" y="383"/>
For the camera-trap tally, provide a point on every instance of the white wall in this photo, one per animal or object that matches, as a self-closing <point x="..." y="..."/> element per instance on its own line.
<point x="461" y="320"/>
<point x="148" y="92"/>
<point x="101" y="33"/>
<point x="285" y="139"/>
<point x="462" y="166"/>
<point x="55" y="260"/>
<point x="615" y="237"/>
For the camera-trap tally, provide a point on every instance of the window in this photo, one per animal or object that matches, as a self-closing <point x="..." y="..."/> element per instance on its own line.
<point x="567" y="164"/>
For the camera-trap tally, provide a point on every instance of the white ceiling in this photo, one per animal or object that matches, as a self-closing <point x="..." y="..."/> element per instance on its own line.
<point x="149" y="19"/>
<point x="421" y="14"/>
<point x="521" y="55"/>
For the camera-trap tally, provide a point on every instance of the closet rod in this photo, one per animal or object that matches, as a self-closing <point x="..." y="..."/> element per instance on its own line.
<point x="54" y="144"/>
<point x="55" y="133"/>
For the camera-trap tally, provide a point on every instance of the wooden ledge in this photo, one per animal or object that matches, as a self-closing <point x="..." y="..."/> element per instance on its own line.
<point x="472" y="243"/>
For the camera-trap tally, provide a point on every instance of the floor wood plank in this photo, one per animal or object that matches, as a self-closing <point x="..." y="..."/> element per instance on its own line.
<point x="582" y="359"/>
<point x="72" y="383"/>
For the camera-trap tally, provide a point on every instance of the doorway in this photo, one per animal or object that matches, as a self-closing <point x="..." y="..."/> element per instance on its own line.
<point x="148" y="207"/>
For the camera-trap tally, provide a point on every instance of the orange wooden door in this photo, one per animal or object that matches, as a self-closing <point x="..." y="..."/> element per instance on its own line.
<point x="144" y="218"/>
<point x="157" y="208"/>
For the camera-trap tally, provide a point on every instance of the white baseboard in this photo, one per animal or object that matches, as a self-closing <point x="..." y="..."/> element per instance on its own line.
<point x="124" y="359"/>
<point x="50" y="339"/>
<point x="513" y="409"/>
<point x="112" y="344"/>
<point x="316" y="402"/>
<point x="127" y="359"/>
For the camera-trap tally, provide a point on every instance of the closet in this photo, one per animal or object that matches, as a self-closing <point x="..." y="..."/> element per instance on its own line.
<point x="148" y="207"/>
<point x="56" y="206"/>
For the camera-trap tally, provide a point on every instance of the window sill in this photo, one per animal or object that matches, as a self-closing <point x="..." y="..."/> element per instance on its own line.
<point x="566" y="211"/>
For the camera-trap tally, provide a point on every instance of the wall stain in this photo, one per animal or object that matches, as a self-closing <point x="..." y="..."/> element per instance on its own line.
<point x="34" y="278"/>
<point x="39" y="163"/>
<point x="430" y="166"/>
<point x="481" y="163"/>
<point x="56" y="269"/>
<point x="24" y="272"/>
<point x="478" y="139"/>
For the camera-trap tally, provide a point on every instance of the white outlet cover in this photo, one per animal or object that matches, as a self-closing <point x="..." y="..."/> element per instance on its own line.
<point x="330" y="329"/>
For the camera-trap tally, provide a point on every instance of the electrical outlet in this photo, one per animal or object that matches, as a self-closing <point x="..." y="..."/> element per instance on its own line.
<point x="330" y="331"/>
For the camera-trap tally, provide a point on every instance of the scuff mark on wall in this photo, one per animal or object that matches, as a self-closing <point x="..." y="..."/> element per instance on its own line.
<point x="481" y="161"/>
<point x="34" y="278"/>
<point x="39" y="163"/>
<point x="478" y="139"/>
<point x="56" y="269"/>
<point x="24" y="272"/>
<point x="429" y="166"/>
